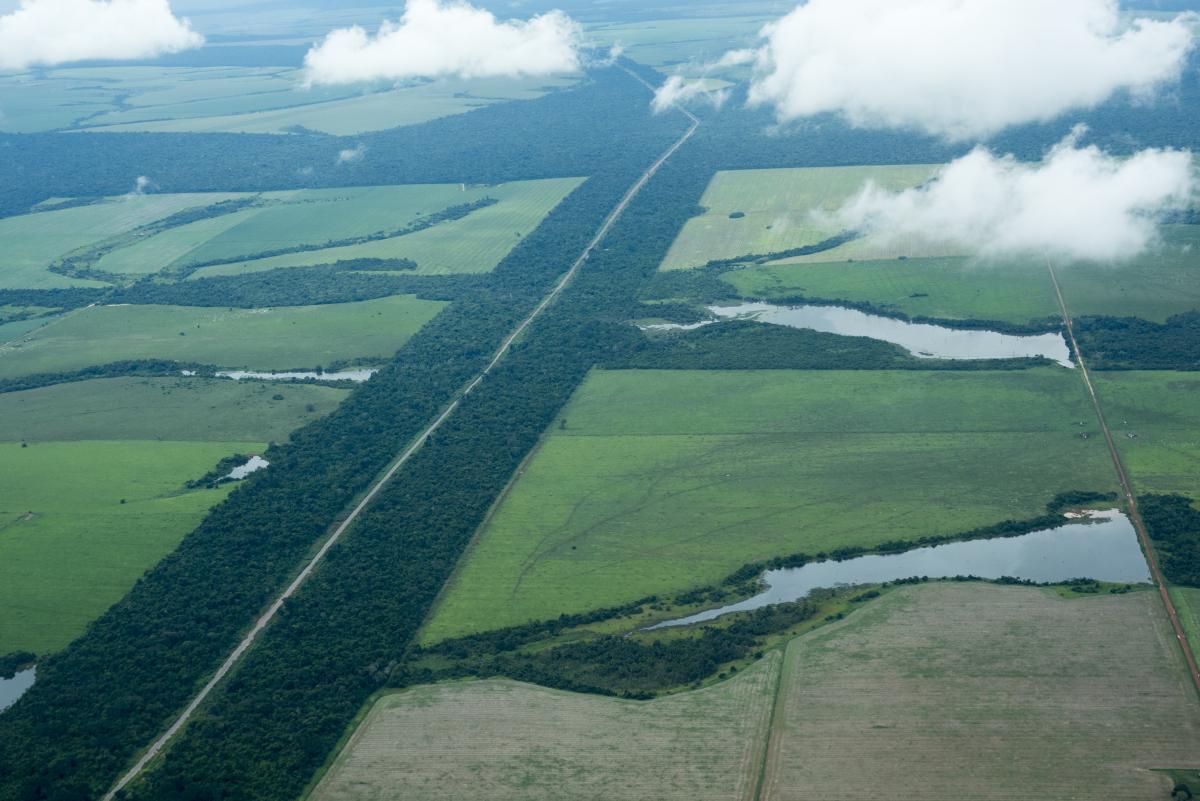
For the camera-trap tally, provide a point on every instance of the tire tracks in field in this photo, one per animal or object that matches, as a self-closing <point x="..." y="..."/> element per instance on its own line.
<point x="1135" y="515"/>
<point x="265" y="619"/>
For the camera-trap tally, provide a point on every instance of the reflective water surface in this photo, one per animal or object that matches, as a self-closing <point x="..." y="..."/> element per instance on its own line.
<point x="344" y="375"/>
<point x="1105" y="550"/>
<point x="241" y="471"/>
<point x="14" y="688"/>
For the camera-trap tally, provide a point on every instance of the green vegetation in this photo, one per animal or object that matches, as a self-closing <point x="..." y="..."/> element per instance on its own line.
<point x="257" y="339"/>
<point x="247" y="99"/>
<point x="1046" y="682"/>
<point x="945" y="288"/>
<point x="207" y="409"/>
<point x="778" y="206"/>
<point x="1173" y="522"/>
<point x="661" y="481"/>
<point x="473" y="244"/>
<point x="32" y="242"/>
<point x="81" y="521"/>
<point x="1155" y="422"/>
<point x="500" y="740"/>
<point x="1187" y="605"/>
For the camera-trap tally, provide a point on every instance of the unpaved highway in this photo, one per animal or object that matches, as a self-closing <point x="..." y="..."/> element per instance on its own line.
<point x="1131" y="502"/>
<point x="375" y="489"/>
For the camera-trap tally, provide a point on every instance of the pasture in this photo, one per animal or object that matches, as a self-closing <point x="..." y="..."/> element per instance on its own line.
<point x="177" y="409"/>
<point x="655" y="482"/>
<point x="81" y="521"/>
<point x="1187" y="606"/>
<point x="472" y="244"/>
<point x="952" y="691"/>
<point x="1154" y="286"/>
<point x="499" y="740"/>
<point x="1155" y="421"/>
<point x="262" y="99"/>
<point x="34" y="241"/>
<point x="780" y="210"/>
<point x="256" y="339"/>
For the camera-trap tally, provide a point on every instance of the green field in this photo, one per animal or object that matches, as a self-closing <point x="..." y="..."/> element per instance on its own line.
<point x="951" y="691"/>
<point x="256" y="339"/>
<point x="237" y="99"/>
<point x="69" y="548"/>
<point x="681" y="40"/>
<point x="1154" y="286"/>
<point x="32" y="242"/>
<point x="1160" y="408"/>
<point x="778" y="206"/>
<point x="180" y="409"/>
<point x="473" y="244"/>
<point x="665" y="480"/>
<point x="947" y="288"/>
<point x="1187" y="605"/>
<point x="498" y="740"/>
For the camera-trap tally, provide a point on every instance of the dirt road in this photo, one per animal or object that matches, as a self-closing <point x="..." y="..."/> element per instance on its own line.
<point x="1130" y="500"/>
<point x="382" y="481"/>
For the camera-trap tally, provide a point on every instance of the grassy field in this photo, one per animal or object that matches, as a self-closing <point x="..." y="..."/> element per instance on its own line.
<point x="1160" y="283"/>
<point x="33" y="241"/>
<point x="953" y="691"/>
<point x="69" y="547"/>
<point x="180" y="409"/>
<point x="777" y="206"/>
<point x="256" y="339"/>
<point x="948" y="288"/>
<point x="1160" y="408"/>
<point x="665" y="480"/>
<point x="1187" y="605"/>
<point x="237" y="99"/>
<point x="677" y="41"/>
<point x="473" y="244"/>
<point x="500" y="740"/>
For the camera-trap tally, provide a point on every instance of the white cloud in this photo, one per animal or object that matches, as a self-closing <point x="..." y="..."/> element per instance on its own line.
<point x="960" y="68"/>
<point x="1078" y="203"/>
<point x="48" y="32"/>
<point x="435" y="38"/>
<point x="678" y="89"/>
<point x="351" y="155"/>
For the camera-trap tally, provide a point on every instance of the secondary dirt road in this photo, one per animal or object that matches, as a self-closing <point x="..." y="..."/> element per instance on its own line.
<point x="1134" y="514"/>
<point x="375" y="489"/>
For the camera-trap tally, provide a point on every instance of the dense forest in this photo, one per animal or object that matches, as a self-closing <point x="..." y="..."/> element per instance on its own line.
<point x="1174" y="524"/>
<point x="1130" y="343"/>
<point x="114" y="689"/>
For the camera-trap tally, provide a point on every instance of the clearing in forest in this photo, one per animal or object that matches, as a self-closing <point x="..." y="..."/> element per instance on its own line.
<point x="769" y="211"/>
<point x="653" y="482"/>
<point x="1154" y="285"/>
<point x="282" y="338"/>
<point x="953" y="691"/>
<point x="497" y="740"/>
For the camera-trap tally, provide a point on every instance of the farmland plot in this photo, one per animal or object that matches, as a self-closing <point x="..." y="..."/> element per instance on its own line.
<point x="979" y="692"/>
<point x="500" y="740"/>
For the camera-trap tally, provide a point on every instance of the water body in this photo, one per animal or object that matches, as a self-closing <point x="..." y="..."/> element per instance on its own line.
<point x="1105" y="550"/>
<point x="241" y="471"/>
<point x="345" y="375"/>
<point x="920" y="339"/>
<point x="14" y="688"/>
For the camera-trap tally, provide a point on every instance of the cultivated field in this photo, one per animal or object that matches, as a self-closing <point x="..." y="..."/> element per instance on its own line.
<point x="237" y="99"/>
<point x="473" y="244"/>
<point x="32" y="242"/>
<point x="675" y="42"/>
<point x="207" y="409"/>
<point x="980" y="692"/>
<point x="497" y="740"/>
<point x="778" y="207"/>
<point x="81" y="521"/>
<point x="256" y="339"/>
<point x="665" y="480"/>
<point x="1155" y="419"/>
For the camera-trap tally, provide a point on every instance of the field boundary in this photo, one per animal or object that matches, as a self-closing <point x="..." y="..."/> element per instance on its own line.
<point x="1131" y="501"/>
<point x="261" y="623"/>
